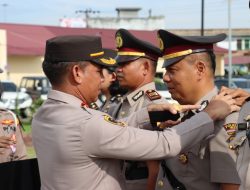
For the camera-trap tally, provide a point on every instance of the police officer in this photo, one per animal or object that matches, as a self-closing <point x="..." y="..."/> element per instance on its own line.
<point x="80" y="148"/>
<point x="110" y="87"/>
<point x="109" y="77"/>
<point x="190" y="67"/>
<point x="137" y="61"/>
<point x="241" y="145"/>
<point x="12" y="146"/>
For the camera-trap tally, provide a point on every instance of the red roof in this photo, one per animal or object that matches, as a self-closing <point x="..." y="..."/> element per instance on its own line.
<point x="239" y="60"/>
<point x="23" y="39"/>
<point x="30" y="39"/>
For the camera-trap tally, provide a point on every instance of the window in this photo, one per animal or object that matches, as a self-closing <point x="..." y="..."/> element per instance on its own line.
<point x="247" y="43"/>
<point x="239" y="45"/>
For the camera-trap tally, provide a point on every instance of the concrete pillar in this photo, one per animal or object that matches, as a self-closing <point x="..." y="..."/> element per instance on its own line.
<point x="3" y="54"/>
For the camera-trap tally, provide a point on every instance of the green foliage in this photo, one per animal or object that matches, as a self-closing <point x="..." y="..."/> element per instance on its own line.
<point x="35" y="105"/>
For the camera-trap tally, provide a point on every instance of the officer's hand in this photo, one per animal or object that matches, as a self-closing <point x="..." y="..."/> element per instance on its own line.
<point x="173" y="108"/>
<point x="221" y="106"/>
<point x="5" y="142"/>
<point x="238" y="94"/>
<point x="168" y="124"/>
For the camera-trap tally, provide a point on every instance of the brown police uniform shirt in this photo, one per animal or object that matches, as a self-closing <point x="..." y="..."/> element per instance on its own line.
<point x="207" y="163"/>
<point x="241" y="142"/>
<point x="10" y="126"/>
<point x="80" y="148"/>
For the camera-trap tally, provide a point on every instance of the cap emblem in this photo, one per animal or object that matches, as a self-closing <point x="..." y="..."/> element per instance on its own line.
<point x="119" y="41"/>
<point x="161" y="44"/>
<point x="108" y="61"/>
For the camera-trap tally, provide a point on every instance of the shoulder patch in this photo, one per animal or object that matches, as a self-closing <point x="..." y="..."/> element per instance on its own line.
<point x="138" y="95"/>
<point x="111" y="120"/>
<point x="153" y="95"/>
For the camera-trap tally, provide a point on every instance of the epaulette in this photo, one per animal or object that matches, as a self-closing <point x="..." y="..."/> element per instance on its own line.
<point x="153" y="95"/>
<point x="94" y="106"/>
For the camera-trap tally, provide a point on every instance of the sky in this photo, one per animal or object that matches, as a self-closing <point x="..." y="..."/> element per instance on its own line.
<point x="179" y="14"/>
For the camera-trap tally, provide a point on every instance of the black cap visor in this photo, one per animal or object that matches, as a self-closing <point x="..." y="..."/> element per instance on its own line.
<point x="120" y="59"/>
<point x="168" y="62"/>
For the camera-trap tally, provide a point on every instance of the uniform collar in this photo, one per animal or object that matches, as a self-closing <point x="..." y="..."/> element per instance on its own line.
<point x="137" y="94"/>
<point x="64" y="97"/>
<point x="209" y="95"/>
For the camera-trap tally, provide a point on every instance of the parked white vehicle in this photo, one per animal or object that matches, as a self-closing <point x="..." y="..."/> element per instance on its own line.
<point x="12" y="99"/>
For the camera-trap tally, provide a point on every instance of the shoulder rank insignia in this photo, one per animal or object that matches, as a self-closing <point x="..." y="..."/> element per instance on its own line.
<point x="231" y="129"/>
<point x="138" y="95"/>
<point x="111" y="120"/>
<point x="94" y="106"/>
<point x="153" y="95"/>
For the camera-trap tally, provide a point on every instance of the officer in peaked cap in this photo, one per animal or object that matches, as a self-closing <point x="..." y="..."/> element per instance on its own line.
<point x="131" y="48"/>
<point x="190" y="66"/>
<point x="109" y="77"/>
<point x="73" y="141"/>
<point x="137" y="61"/>
<point x="174" y="48"/>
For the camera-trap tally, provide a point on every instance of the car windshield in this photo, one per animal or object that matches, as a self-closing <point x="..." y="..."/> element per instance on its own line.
<point x="9" y="87"/>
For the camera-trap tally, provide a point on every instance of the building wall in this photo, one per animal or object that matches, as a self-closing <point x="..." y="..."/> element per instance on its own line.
<point x="19" y="66"/>
<point x="147" y="23"/>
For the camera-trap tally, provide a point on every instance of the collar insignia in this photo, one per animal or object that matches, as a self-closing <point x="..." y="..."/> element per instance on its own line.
<point x="138" y="95"/>
<point x="94" y="106"/>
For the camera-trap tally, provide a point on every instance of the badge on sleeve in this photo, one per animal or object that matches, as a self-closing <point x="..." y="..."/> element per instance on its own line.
<point x="111" y="120"/>
<point x="153" y="95"/>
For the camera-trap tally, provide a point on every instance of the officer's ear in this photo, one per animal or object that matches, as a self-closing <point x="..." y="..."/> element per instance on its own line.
<point x="200" y="68"/>
<point x="146" y="66"/>
<point x="113" y="76"/>
<point x="77" y="74"/>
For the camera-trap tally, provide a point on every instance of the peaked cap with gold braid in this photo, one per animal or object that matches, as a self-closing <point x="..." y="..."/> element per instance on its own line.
<point x="174" y="48"/>
<point x="75" y="48"/>
<point x="131" y="48"/>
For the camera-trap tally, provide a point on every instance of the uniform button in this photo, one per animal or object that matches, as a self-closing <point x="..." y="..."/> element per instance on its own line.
<point x="160" y="183"/>
<point x="123" y="113"/>
<point x="183" y="158"/>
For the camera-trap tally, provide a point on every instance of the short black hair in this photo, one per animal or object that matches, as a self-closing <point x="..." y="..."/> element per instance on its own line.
<point x="55" y="72"/>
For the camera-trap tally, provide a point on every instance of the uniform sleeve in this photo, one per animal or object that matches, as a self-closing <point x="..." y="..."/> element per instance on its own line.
<point x="222" y="159"/>
<point x="106" y="139"/>
<point x="138" y="118"/>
